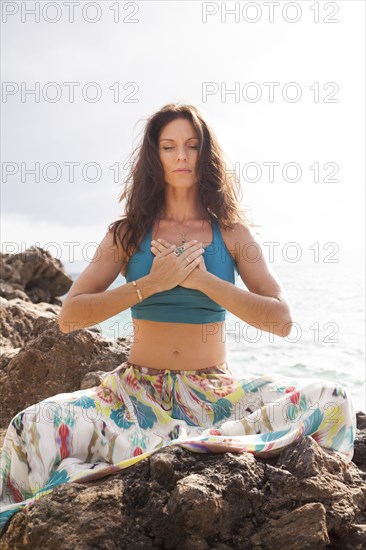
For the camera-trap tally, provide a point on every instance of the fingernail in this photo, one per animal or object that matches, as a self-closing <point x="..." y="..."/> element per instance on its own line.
<point x="195" y="241"/>
<point x="153" y="242"/>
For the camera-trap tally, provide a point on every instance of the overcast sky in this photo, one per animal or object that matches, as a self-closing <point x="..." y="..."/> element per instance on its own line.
<point x="161" y="52"/>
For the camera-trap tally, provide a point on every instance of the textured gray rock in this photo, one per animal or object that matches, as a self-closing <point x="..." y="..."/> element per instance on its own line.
<point x="185" y="500"/>
<point x="33" y="274"/>
<point x="17" y="322"/>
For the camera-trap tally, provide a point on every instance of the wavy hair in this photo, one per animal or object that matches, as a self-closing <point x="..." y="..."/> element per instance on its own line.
<point x="218" y="188"/>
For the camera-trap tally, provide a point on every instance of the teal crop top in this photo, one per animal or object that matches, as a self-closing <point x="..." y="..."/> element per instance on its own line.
<point x="179" y="304"/>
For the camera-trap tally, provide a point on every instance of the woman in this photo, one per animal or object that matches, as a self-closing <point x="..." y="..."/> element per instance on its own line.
<point x="180" y="246"/>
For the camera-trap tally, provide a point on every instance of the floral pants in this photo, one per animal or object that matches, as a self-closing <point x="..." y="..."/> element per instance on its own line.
<point x="136" y="411"/>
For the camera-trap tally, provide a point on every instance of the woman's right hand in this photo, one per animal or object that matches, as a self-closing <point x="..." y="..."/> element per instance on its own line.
<point x="169" y="270"/>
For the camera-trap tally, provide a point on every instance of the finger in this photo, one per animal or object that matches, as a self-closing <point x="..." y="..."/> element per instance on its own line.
<point x="157" y="245"/>
<point x="189" y="244"/>
<point x="197" y="251"/>
<point x="155" y="249"/>
<point x="164" y="242"/>
<point x="193" y="263"/>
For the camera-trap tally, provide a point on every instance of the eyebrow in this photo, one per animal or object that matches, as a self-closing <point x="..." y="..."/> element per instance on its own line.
<point x="167" y="139"/>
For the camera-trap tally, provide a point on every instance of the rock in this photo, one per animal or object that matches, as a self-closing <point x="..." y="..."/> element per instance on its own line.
<point x="6" y="355"/>
<point x="180" y="499"/>
<point x="34" y="273"/>
<point x="196" y="506"/>
<point x="17" y="321"/>
<point x="91" y="379"/>
<point x="304" y="528"/>
<point x="12" y="292"/>
<point x="312" y="460"/>
<point x="361" y="420"/>
<point x="359" y="456"/>
<point x="91" y="529"/>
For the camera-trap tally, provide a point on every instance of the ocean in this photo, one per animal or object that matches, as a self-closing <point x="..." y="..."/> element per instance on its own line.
<point x="328" y="338"/>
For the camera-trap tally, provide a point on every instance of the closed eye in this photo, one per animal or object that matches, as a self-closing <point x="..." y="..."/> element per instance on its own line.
<point x="191" y="147"/>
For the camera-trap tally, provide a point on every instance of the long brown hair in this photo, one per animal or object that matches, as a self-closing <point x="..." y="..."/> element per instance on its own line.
<point x="218" y="189"/>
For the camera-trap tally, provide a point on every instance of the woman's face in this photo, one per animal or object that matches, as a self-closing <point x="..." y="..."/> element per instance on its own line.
<point x="178" y="149"/>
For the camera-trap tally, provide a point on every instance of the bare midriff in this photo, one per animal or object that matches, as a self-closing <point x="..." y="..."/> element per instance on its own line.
<point x="177" y="346"/>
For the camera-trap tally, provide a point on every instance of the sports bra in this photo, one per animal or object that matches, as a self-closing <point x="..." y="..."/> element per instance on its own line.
<point x="179" y="304"/>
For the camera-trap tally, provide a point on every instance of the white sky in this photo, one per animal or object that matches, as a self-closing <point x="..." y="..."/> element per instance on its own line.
<point x="169" y="52"/>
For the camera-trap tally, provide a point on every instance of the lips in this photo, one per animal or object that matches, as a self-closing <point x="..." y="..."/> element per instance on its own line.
<point x="182" y="170"/>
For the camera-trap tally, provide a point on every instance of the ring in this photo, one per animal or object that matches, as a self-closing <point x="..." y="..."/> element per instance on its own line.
<point x="178" y="251"/>
<point x="187" y="260"/>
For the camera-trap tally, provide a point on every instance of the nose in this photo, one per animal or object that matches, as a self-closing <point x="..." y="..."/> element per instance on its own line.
<point x="182" y="152"/>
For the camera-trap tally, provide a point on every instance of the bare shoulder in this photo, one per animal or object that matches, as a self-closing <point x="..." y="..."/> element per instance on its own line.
<point x="242" y="231"/>
<point x="254" y="269"/>
<point x="236" y="238"/>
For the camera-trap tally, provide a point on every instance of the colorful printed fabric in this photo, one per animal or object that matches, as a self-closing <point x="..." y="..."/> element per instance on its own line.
<point x="135" y="411"/>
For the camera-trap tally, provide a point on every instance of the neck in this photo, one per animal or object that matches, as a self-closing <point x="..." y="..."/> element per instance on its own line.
<point x="182" y="207"/>
<point x="179" y="217"/>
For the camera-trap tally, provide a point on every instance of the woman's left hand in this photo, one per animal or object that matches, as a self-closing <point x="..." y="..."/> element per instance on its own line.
<point x="191" y="281"/>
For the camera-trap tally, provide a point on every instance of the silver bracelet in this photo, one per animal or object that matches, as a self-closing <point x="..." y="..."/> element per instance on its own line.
<point x="137" y="290"/>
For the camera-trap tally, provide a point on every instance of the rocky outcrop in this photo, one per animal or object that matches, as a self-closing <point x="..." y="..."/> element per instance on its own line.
<point x="304" y="498"/>
<point x="17" y="321"/>
<point x="359" y="456"/>
<point x="33" y="275"/>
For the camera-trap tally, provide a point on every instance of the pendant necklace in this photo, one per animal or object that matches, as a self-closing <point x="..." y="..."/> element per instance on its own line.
<point x="183" y="236"/>
<point x="181" y="248"/>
